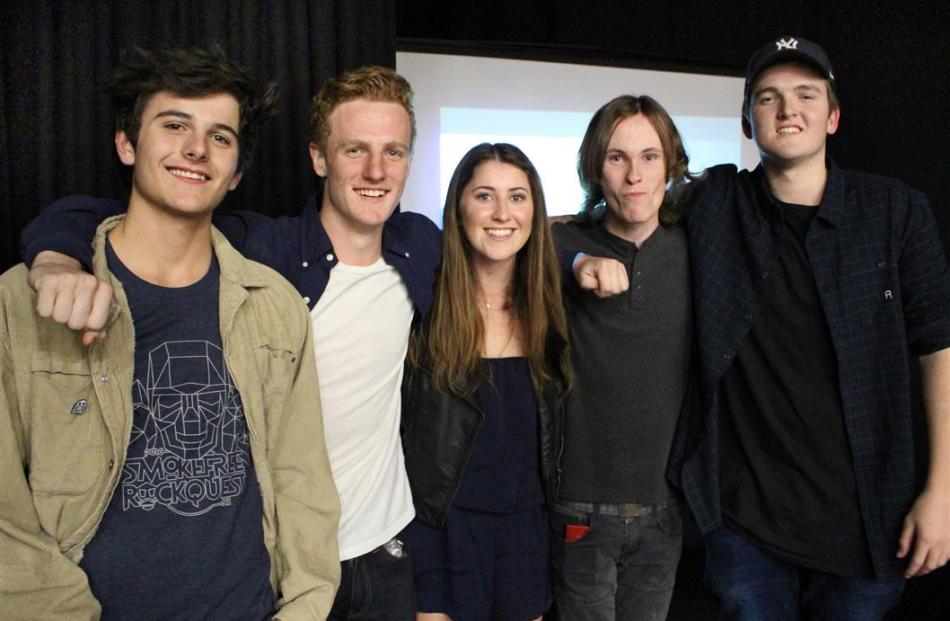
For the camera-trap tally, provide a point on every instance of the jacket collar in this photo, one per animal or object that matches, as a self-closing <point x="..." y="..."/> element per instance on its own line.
<point x="832" y="208"/>
<point x="233" y="265"/>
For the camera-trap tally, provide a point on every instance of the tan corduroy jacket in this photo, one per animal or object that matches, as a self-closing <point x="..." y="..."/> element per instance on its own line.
<point x="61" y="459"/>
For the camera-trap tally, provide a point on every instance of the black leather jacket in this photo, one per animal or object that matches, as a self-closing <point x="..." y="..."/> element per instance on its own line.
<point x="438" y="434"/>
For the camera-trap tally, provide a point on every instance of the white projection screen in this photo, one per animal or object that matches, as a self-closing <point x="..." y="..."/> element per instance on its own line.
<point x="544" y="108"/>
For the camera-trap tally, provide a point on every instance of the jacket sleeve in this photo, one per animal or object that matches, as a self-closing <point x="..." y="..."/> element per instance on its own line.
<point x="308" y="508"/>
<point x="36" y="580"/>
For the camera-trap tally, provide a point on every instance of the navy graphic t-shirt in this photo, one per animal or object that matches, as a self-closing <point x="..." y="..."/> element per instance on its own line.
<point x="182" y="537"/>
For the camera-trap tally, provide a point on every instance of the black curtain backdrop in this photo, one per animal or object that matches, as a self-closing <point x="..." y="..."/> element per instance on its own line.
<point x="57" y="127"/>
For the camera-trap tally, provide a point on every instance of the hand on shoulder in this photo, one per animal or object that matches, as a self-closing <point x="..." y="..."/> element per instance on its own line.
<point x="68" y="295"/>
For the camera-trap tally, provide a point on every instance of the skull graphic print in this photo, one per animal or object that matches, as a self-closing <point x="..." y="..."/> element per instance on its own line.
<point x="188" y="451"/>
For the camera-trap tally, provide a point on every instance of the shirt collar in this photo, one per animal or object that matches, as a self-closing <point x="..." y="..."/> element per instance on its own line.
<point x="317" y="241"/>
<point x="831" y="209"/>
<point x="315" y="238"/>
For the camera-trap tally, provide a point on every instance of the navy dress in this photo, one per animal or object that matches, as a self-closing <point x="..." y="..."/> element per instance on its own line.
<point x="490" y="561"/>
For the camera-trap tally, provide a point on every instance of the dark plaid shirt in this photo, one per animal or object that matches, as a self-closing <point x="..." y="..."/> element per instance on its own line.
<point x="884" y="285"/>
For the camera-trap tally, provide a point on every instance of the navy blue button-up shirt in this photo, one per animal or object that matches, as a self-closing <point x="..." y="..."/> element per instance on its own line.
<point x="296" y="246"/>
<point x="884" y="286"/>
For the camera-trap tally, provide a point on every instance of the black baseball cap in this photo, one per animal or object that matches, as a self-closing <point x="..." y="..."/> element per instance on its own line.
<point x="789" y="49"/>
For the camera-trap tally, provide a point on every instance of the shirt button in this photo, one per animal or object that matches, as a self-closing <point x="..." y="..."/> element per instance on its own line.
<point x="407" y="255"/>
<point x="765" y="275"/>
<point x="330" y="256"/>
<point x="305" y="264"/>
<point x="748" y="317"/>
<point x="726" y="356"/>
<point x="105" y="379"/>
<point x="306" y="299"/>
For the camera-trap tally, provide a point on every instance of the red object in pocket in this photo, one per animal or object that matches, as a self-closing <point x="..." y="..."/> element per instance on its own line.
<point x="575" y="532"/>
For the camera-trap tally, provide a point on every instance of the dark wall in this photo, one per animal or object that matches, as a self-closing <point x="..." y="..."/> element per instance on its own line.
<point x="892" y="59"/>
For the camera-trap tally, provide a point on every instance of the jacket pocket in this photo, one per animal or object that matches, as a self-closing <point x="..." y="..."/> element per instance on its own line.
<point x="68" y="436"/>
<point x="278" y="365"/>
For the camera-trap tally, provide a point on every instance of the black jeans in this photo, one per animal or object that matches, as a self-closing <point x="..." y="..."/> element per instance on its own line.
<point x="376" y="586"/>
<point x="624" y="568"/>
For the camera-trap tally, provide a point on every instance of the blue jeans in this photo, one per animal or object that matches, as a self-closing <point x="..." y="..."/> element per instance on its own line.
<point x="623" y="568"/>
<point x="376" y="586"/>
<point x="751" y="585"/>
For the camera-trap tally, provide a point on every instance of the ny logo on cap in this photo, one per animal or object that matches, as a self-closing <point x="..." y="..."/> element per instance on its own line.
<point x="786" y="44"/>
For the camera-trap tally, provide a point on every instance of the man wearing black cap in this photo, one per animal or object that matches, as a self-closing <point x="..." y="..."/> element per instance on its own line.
<point x="811" y="285"/>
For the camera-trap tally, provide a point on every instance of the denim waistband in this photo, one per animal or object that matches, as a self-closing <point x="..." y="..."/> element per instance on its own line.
<point x="614" y="509"/>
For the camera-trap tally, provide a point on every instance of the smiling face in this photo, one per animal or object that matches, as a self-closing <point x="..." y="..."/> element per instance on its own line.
<point x="633" y="180"/>
<point x="186" y="156"/>
<point x="365" y="164"/>
<point x="496" y="210"/>
<point x="790" y="116"/>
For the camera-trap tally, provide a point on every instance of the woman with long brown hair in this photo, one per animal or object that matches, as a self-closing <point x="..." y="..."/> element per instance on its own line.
<point x="481" y="410"/>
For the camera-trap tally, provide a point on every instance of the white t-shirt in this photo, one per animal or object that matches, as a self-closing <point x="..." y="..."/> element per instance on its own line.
<point x="361" y="330"/>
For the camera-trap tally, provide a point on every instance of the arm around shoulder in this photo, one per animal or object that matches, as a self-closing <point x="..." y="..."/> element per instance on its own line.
<point x="67" y="226"/>
<point x="705" y="196"/>
<point x="68" y="295"/>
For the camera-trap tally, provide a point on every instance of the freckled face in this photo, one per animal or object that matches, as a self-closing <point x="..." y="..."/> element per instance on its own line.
<point x="186" y="156"/>
<point x="365" y="164"/>
<point x="497" y="210"/>
<point x="633" y="178"/>
<point x="790" y="115"/>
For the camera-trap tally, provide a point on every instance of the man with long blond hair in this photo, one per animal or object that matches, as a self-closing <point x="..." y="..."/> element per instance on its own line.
<point x="365" y="271"/>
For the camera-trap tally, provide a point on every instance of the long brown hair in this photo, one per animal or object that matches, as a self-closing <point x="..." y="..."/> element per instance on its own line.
<point x="590" y="157"/>
<point x="455" y="332"/>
